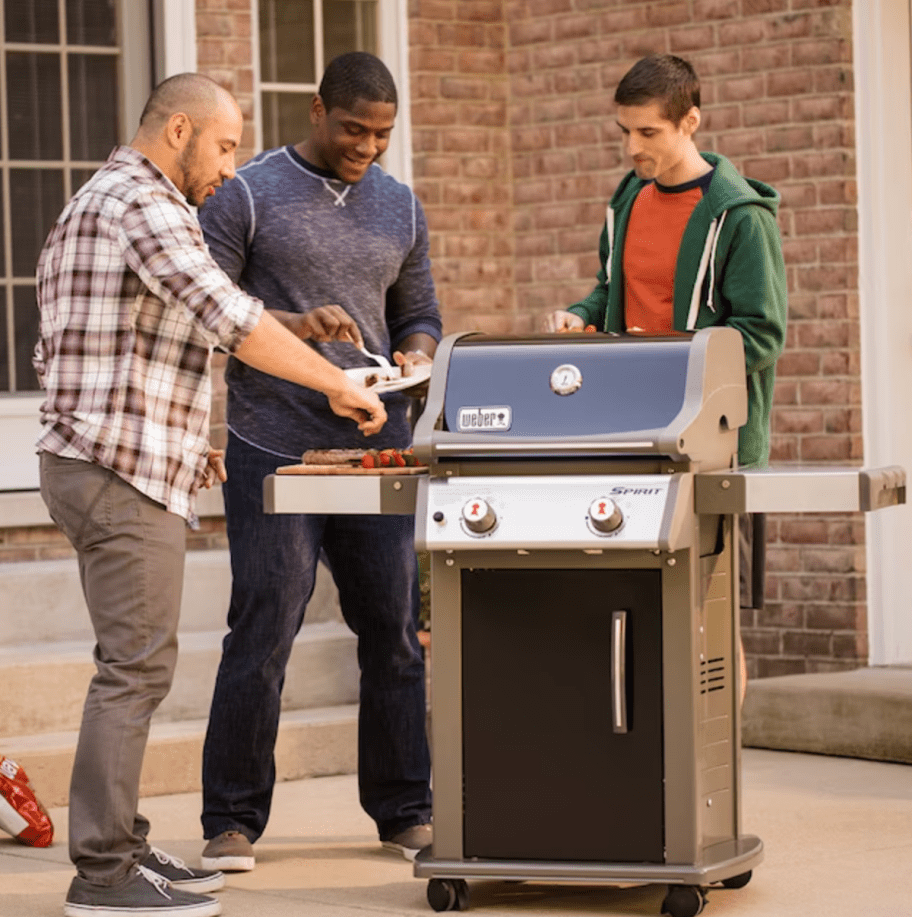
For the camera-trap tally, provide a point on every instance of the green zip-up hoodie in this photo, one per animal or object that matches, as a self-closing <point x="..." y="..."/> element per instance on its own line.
<point x="729" y="271"/>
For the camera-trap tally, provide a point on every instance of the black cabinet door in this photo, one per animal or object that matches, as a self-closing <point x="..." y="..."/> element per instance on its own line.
<point x="547" y="777"/>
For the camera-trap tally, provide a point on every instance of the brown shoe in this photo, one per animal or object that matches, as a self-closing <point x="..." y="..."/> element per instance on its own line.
<point x="410" y="841"/>
<point x="229" y="851"/>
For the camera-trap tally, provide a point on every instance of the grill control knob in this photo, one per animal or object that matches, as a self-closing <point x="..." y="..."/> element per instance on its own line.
<point x="478" y="516"/>
<point x="605" y="515"/>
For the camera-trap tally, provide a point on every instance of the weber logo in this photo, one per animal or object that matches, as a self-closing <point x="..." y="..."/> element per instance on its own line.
<point x="484" y="419"/>
<point x="620" y="491"/>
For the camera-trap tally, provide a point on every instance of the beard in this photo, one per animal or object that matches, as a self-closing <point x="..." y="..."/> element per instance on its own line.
<point x="189" y="174"/>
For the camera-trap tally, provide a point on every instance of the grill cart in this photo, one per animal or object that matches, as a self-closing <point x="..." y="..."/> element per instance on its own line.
<point x="580" y="512"/>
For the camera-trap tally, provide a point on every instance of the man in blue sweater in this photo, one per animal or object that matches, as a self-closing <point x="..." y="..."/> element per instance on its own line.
<point x="340" y="249"/>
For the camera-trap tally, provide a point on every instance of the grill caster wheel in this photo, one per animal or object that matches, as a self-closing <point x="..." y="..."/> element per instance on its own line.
<point x="683" y="901"/>
<point x="448" y="894"/>
<point x="737" y="881"/>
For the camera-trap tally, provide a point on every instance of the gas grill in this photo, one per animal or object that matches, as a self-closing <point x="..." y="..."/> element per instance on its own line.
<point x="580" y="514"/>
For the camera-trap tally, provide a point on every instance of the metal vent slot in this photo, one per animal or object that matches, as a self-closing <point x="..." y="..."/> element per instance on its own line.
<point x="712" y="675"/>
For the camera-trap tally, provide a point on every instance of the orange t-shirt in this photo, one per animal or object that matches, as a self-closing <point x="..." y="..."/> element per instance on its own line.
<point x="657" y="223"/>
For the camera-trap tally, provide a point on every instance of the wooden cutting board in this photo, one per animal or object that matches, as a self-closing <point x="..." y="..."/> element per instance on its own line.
<point x="348" y="469"/>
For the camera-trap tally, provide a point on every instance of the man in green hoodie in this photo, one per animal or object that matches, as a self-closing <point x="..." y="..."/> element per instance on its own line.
<point x="688" y="243"/>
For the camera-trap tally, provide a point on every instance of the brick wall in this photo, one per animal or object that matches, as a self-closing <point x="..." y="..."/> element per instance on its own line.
<point x="461" y="158"/>
<point x="225" y="35"/>
<point x="224" y="51"/>
<point x="778" y="101"/>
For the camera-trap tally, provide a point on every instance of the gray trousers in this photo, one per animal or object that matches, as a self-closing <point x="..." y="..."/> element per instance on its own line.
<point x="131" y="563"/>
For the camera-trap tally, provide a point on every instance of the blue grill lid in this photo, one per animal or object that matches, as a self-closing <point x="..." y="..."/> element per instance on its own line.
<point x="625" y="387"/>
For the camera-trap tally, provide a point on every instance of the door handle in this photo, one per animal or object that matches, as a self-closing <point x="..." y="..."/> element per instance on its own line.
<point x="619" y="671"/>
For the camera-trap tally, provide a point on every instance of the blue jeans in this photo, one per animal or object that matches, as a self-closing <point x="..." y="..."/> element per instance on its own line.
<point x="273" y="562"/>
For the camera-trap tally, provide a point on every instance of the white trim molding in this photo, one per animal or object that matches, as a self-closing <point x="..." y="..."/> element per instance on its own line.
<point x="175" y="37"/>
<point x="883" y="120"/>
<point x="394" y="49"/>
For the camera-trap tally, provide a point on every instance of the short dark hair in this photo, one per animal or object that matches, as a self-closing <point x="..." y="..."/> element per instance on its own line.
<point x="353" y="76"/>
<point x="663" y="77"/>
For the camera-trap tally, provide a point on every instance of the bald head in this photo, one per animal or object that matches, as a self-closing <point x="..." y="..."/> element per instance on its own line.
<point x="195" y="95"/>
<point x="191" y="129"/>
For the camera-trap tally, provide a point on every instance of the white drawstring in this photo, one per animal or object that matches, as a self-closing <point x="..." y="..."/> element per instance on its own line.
<point x="712" y="264"/>
<point x="707" y="261"/>
<point x="698" y="283"/>
<point x="609" y="231"/>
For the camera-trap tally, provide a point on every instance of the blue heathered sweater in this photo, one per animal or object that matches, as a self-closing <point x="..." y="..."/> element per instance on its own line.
<point x="297" y="240"/>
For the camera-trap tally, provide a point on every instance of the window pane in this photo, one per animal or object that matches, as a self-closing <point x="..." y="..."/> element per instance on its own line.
<point x="33" y="99"/>
<point x="349" y="25"/>
<point x="93" y="105"/>
<point x="36" y="199"/>
<point x="91" y="22"/>
<point x="286" y="118"/>
<point x="25" y="321"/>
<point x="286" y="41"/>
<point x="78" y="177"/>
<point x="31" y="20"/>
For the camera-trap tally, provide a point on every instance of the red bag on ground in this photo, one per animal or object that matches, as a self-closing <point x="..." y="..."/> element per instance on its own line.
<point x="21" y="814"/>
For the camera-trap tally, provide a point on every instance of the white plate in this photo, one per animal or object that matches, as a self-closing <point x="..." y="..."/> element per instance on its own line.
<point x="394" y="381"/>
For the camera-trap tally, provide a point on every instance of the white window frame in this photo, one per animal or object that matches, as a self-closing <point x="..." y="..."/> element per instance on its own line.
<point x="19" y="423"/>
<point x="393" y="50"/>
<point x="174" y="37"/>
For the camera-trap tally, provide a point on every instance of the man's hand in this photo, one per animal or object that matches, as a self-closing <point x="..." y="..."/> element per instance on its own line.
<point x="408" y="361"/>
<point x="325" y="323"/>
<point x="560" y="320"/>
<point x="215" y="468"/>
<point x="361" y="405"/>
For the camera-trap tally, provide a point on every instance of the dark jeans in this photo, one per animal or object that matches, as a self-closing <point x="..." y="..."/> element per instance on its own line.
<point x="273" y="562"/>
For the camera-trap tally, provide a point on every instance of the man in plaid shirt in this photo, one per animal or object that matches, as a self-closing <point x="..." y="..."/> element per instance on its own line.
<point x="132" y="305"/>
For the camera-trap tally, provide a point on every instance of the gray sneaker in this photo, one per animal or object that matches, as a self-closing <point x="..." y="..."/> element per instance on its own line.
<point x="229" y="851"/>
<point x="180" y="875"/>
<point x="410" y="841"/>
<point x="142" y="894"/>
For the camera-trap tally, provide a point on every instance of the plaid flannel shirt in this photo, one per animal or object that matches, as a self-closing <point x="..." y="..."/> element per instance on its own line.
<point x="131" y="306"/>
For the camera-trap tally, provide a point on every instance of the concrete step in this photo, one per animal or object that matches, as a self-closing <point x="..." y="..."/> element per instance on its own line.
<point x="311" y="743"/>
<point x="45" y="684"/>
<point x="862" y="713"/>
<point x="43" y="602"/>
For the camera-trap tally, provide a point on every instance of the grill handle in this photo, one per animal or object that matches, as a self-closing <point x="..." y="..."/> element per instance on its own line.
<point x="619" y="671"/>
